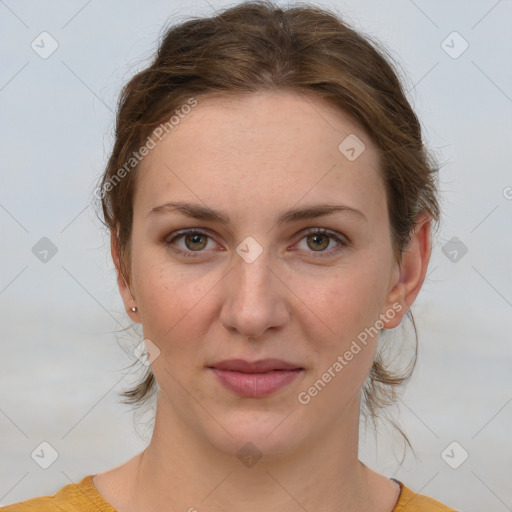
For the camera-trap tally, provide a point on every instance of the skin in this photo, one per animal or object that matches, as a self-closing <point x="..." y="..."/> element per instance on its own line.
<point x="253" y="157"/>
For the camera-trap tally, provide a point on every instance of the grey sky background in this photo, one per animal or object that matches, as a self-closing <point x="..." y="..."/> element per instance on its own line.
<point x="62" y="363"/>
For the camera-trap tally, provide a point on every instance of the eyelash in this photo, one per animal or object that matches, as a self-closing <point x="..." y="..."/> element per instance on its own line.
<point x="313" y="231"/>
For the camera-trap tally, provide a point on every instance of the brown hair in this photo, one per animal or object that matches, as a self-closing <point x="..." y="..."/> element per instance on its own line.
<point x="257" y="46"/>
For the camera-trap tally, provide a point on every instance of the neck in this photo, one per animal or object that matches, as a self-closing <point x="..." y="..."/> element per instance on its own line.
<point x="180" y="470"/>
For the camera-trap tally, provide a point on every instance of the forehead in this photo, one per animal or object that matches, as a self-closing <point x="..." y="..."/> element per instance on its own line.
<point x="271" y="120"/>
<point x="279" y="145"/>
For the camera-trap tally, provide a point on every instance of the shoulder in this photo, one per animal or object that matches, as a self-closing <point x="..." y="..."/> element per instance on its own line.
<point x="80" y="497"/>
<point x="409" y="501"/>
<point x="42" y="503"/>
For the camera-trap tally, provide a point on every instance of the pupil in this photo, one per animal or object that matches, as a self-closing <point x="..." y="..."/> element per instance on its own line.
<point x="318" y="240"/>
<point x="196" y="239"/>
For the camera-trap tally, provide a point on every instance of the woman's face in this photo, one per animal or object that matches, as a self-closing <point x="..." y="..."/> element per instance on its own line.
<point x="257" y="282"/>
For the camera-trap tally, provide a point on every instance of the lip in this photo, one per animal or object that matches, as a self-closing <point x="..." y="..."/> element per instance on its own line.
<point x="256" y="379"/>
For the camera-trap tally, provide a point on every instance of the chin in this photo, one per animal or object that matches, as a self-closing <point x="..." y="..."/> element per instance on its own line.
<point x="258" y="433"/>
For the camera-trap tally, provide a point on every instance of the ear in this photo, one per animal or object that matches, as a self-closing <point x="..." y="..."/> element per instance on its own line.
<point x="122" y="279"/>
<point x="411" y="273"/>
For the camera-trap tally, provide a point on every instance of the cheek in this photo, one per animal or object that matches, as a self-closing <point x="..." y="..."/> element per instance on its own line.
<point x="172" y="299"/>
<point x="340" y="318"/>
<point x="341" y="304"/>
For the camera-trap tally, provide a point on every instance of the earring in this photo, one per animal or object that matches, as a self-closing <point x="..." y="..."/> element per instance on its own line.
<point x="134" y="309"/>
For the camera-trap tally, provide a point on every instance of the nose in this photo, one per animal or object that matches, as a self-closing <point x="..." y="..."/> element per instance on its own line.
<point x="255" y="297"/>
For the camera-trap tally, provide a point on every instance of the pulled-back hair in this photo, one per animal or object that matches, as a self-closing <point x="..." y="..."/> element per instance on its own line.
<point x="256" y="46"/>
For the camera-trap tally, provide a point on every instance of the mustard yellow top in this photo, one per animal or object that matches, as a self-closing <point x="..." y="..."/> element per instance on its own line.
<point x="84" y="497"/>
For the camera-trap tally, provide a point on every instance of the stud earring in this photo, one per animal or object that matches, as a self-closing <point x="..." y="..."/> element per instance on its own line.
<point x="134" y="309"/>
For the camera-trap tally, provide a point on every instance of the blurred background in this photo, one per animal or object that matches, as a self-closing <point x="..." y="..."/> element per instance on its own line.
<point x="63" y="65"/>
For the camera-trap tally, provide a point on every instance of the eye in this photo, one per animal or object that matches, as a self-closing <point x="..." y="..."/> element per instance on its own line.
<point x="194" y="242"/>
<point x="319" y="240"/>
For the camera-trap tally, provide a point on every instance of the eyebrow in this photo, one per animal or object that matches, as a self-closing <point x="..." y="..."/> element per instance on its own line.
<point x="200" y="212"/>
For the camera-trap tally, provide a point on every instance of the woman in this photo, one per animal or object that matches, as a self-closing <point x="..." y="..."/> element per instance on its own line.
<point x="270" y="204"/>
